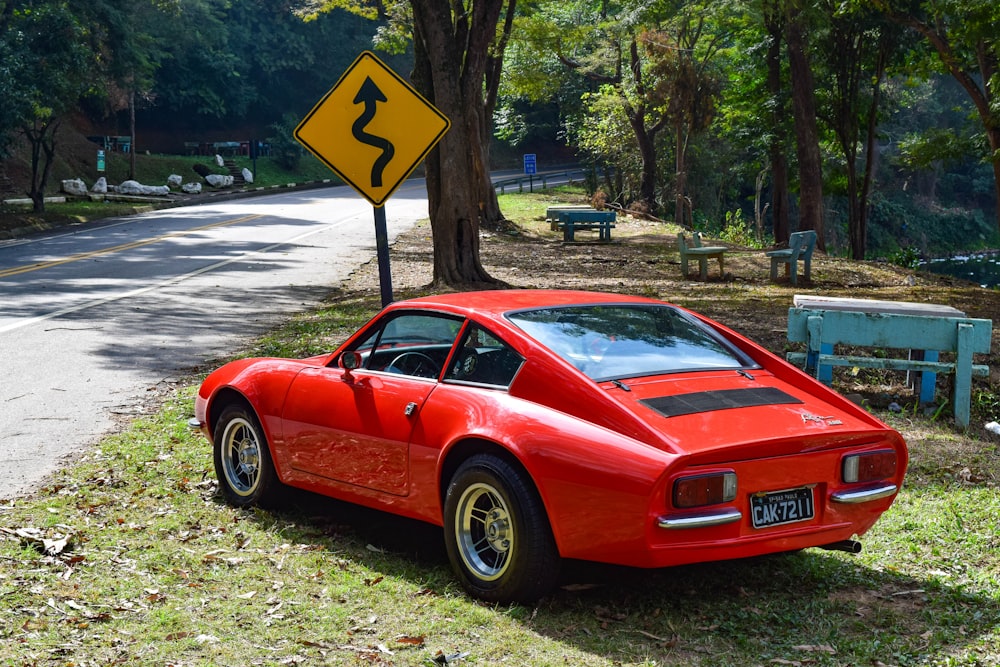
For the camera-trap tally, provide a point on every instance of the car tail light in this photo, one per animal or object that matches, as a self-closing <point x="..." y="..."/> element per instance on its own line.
<point x="869" y="466"/>
<point x="705" y="490"/>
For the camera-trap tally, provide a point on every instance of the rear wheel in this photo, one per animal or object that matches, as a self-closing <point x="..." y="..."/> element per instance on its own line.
<point x="242" y="459"/>
<point x="497" y="533"/>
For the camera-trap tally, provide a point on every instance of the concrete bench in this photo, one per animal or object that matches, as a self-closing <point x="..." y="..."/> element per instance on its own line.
<point x="572" y="220"/>
<point x="702" y="253"/>
<point x="924" y="329"/>
<point x="800" y="246"/>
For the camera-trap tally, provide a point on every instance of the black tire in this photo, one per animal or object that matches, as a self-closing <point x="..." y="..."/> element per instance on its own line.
<point x="497" y="533"/>
<point x="242" y="459"/>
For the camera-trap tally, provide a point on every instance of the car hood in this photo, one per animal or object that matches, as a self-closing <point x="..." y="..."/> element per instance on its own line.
<point x="727" y="416"/>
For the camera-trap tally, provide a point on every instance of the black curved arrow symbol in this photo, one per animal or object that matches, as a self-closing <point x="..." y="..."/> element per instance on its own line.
<point x="370" y="95"/>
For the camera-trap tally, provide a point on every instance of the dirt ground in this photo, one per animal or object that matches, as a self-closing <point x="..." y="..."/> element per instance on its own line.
<point x="643" y="259"/>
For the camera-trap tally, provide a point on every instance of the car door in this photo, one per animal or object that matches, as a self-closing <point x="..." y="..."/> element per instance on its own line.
<point x="355" y="426"/>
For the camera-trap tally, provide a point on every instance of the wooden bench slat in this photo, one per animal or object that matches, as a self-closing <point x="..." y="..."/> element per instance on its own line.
<point x="798" y="358"/>
<point x="821" y="329"/>
<point x="701" y="253"/>
<point x="889" y="330"/>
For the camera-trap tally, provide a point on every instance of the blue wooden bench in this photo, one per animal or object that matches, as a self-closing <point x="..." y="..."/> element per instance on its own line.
<point x="553" y="214"/>
<point x="702" y="253"/>
<point x="925" y="329"/>
<point x="800" y="246"/>
<point x="573" y="219"/>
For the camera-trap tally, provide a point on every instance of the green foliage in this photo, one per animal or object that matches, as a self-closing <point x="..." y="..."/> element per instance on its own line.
<point x="285" y="150"/>
<point x="916" y="226"/>
<point x="738" y="230"/>
<point x="908" y="257"/>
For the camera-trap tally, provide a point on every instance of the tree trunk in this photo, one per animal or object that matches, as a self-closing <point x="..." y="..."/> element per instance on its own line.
<point x="776" y="150"/>
<point x="871" y="155"/>
<point x="680" y="178"/>
<point x="42" y="137"/>
<point x="806" y="132"/>
<point x="131" y="129"/>
<point x="457" y="170"/>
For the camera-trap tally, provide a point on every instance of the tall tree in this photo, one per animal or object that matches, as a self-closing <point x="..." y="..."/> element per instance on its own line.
<point x="963" y="33"/>
<point x="58" y="59"/>
<point x="774" y="26"/>
<point x="458" y="51"/>
<point x="654" y="57"/>
<point x="806" y="127"/>
<point x="858" y="49"/>
<point x="452" y="67"/>
<point x="683" y="65"/>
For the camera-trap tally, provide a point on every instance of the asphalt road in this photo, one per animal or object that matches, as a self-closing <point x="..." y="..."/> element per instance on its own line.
<point x="95" y="317"/>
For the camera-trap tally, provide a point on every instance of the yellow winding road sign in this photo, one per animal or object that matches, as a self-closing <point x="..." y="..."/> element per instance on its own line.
<point x="372" y="128"/>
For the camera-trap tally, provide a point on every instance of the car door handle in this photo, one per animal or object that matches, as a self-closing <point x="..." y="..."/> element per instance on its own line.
<point x="411" y="407"/>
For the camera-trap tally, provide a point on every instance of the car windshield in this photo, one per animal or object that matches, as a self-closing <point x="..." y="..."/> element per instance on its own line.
<point x="610" y="342"/>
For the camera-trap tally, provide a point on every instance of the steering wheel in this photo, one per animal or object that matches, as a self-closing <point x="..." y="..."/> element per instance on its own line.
<point x="417" y="364"/>
<point x="467" y="362"/>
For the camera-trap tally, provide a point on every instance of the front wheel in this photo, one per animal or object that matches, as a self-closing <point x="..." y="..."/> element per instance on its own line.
<point x="497" y="533"/>
<point x="242" y="459"/>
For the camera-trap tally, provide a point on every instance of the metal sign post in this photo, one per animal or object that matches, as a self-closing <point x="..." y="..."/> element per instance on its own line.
<point x="530" y="168"/>
<point x="382" y="252"/>
<point x="373" y="129"/>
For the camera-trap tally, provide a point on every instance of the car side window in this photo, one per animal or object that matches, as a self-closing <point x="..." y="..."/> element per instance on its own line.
<point x="410" y="344"/>
<point x="484" y="359"/>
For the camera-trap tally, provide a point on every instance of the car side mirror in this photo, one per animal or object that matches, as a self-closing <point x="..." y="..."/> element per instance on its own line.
<point x="349" y="361"/>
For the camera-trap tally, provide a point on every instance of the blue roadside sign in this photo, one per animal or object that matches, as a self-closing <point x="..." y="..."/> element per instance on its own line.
<point x="530" y="165"/>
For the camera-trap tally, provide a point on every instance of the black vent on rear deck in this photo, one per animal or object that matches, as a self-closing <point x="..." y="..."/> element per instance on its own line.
<point x="707" y="401"/>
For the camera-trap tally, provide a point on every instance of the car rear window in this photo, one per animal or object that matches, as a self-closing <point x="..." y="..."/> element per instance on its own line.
<point x="619" y="341"/>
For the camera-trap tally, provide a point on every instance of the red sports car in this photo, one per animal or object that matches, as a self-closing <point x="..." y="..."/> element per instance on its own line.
<point x="539" y="425"/>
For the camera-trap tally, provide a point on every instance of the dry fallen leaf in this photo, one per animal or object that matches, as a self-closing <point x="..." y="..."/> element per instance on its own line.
<point x="821" y="648"/>
<point x="411" y="641"/>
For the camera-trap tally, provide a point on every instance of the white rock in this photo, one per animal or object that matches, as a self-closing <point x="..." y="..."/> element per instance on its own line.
<point x="74" y="186"/>
<point x="191" y="188"/>
<point x="247" y="175"/>
<point x="101" y="186"/>
<point x="136" y="188"/>
<point x="219" y="161"/>
<point x="174" y="180"/>
<point x="219" y="180"/>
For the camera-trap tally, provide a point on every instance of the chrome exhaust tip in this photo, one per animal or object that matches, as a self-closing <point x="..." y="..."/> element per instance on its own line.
<point x="850" y="546"/>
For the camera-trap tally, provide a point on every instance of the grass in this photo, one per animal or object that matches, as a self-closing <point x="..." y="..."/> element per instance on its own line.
<point x="156" y="570"/>
<point x="154" y="170"/>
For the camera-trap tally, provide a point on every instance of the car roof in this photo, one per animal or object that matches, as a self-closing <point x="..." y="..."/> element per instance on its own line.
<point x="494" y="303"/>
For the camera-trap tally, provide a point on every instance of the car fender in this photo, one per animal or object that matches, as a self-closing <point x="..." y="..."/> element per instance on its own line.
<point x="262" y="384"/>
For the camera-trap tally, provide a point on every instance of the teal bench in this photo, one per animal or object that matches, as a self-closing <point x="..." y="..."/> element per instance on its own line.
<point x="695" y="250"/>
<point x="573" y="219"/>
<point x="800" y="247"/>
<point x="553" y="214"/>
<point x="924" y="329"/>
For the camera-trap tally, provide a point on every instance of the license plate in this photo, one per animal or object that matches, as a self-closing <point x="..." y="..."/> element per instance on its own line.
<point x="775" y="509"/>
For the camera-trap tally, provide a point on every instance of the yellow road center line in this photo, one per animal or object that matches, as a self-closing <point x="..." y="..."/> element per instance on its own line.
<point x="17" y="270"/>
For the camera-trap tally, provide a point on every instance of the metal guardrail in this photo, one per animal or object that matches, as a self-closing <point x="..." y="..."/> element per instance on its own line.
<point x="525" y="180"/>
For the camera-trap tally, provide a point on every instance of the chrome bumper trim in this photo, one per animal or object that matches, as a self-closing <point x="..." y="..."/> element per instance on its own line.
<point x="700" y="520"/>
<point x="864" y="495"/>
